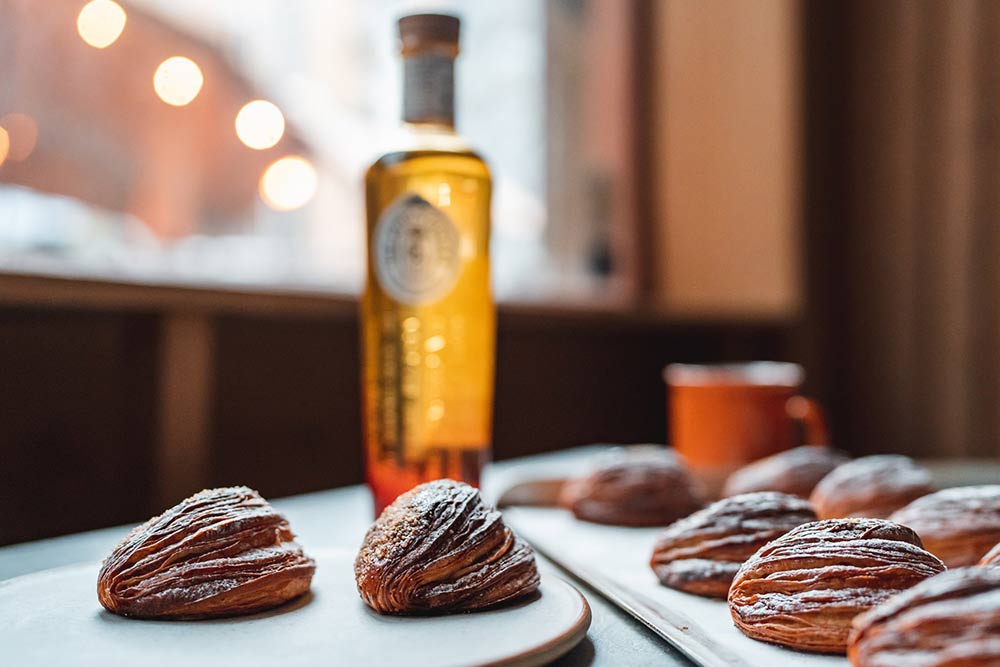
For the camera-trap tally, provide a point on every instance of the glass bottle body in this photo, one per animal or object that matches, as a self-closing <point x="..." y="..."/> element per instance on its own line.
<point x="427" y="318"/>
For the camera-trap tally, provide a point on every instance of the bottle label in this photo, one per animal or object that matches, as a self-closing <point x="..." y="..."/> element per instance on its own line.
<point x="416" y="251"/>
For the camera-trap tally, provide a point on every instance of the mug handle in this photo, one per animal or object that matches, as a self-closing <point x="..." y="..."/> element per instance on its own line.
<point x="808" y="412"/>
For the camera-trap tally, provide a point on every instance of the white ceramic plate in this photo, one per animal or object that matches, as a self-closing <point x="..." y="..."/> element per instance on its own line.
<point x="53" y="618"/>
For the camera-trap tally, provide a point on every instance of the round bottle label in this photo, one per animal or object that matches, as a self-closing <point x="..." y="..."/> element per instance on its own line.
<point x="416" y="251"/>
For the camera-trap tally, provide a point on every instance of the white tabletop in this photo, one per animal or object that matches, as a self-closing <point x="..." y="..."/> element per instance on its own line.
<point x="339" y="518"/>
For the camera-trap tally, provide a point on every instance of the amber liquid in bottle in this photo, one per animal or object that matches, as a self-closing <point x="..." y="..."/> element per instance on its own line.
<point x="427" y="313"/>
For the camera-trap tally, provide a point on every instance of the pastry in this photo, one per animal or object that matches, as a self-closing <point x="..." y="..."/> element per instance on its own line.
<point x="221" y="552"/>
<point x="439" y="548"/>
<point x="644" y="485"/>
<point x="872" y="486"/>
<point x="992" y="558"/>
<point x="795" y="471"/>
<point x="957" y="525"/>
<point x="702" y="553"/>
<point x="803" y="589"/>
<point x="951" y="620"/>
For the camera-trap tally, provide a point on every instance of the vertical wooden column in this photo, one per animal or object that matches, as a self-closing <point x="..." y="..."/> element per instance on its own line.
<point x="984" y="300"/>
<point x="825" y="39"/>
<point x="186" y="382"/>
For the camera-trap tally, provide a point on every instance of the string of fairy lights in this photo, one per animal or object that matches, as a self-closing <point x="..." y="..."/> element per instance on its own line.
<point x="286" y="184"/>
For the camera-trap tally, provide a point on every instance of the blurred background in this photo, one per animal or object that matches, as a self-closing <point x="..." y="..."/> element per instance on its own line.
<point x="182" y="234"/>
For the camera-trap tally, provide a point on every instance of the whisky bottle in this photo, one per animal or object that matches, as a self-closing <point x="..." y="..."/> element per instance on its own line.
<point x="427" y="313"/>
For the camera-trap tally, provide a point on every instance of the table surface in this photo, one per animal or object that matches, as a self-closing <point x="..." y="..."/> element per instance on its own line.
<point x="339" y="518"/>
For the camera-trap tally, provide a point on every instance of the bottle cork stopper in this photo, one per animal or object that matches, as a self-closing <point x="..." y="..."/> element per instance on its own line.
<point x="422" y="32"/>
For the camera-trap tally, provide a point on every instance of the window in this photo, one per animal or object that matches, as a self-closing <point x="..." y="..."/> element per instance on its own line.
<point x="117" y="180"/>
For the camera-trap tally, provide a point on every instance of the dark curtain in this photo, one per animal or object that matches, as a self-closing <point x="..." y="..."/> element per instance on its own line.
<point x="902" y="220"/>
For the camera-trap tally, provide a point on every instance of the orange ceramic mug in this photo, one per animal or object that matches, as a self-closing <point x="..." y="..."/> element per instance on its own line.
<point x="723" y="417"/>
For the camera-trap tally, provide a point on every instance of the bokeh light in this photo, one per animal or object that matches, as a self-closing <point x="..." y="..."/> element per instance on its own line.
<point x="22" y="135"/>
<point x="260" y="124"/>
<point x="100" y="23"/>
<point x="4" y="145"/>
<point x="288" y="183"/>
<point x="178" y="80"/>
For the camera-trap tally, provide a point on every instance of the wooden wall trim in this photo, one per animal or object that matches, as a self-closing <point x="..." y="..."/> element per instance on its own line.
<point x="126" y="412"/>
<point x="107" y="293"/>
<point x="117" y="294"/>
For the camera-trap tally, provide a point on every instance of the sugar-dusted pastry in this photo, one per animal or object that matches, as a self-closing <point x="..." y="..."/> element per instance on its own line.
<point x="992" y="557"/>
<point x="701" y="554"/>
<point x="221" y="552"/>
<point x="439" y="548"/>
<point x="794" y="471"/>
<point x="803" y="589"/>
<point x="957" y="525"/>
<point x="641" y="485"/>
<point x="950" y="620"/>
<point x="872" y="486"/>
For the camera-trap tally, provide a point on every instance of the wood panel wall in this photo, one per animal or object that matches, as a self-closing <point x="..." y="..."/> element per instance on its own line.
<point x="119" y="400"/>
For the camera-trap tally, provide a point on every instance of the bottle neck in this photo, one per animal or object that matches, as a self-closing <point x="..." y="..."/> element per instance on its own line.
<point x="429" y="89"/>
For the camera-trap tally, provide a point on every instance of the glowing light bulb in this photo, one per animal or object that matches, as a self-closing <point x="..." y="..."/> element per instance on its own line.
<point x="178" y="80"/>
<point x="101" y="22"/>
<point x="22" y="135"/>
<point x="288" y="183"/>
<point x="4" y="145"/>
<point x="260" y="124"/>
